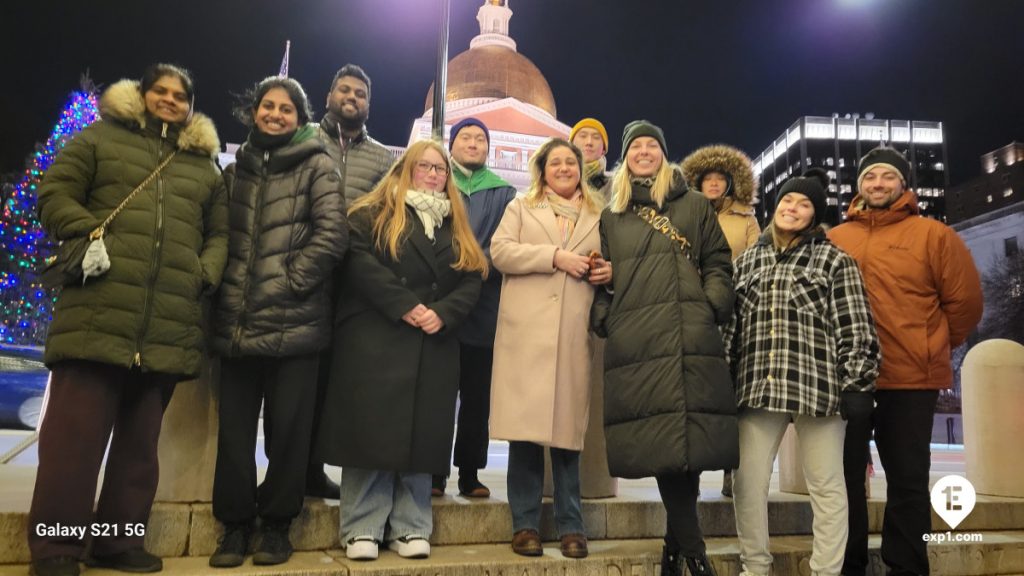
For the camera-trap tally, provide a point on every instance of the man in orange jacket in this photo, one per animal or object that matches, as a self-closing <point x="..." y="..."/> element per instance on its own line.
<point x="925" y="297"/>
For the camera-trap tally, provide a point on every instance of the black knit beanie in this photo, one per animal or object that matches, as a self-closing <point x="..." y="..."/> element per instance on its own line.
<point x="638" y="128"/>
<point x="884" y="156"/>
<point x="812" y="184"/>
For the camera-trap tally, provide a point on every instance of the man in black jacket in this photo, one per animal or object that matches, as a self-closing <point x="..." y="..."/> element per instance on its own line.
<point x="362" y="162"/>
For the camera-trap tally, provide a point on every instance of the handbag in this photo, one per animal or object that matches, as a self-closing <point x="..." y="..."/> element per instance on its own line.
<point x="77" y="259"/>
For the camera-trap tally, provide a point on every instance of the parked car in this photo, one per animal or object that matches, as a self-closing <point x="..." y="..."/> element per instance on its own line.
<point x="23" y="379"/>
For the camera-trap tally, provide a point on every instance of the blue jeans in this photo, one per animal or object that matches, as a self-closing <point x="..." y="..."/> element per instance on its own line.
<point x="526" y="487"/>
<point x="384" y="504"/>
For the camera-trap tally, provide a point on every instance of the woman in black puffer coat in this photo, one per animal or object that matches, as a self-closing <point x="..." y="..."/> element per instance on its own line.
<point x="288" y="232"/>
<point x="669" y="408"/>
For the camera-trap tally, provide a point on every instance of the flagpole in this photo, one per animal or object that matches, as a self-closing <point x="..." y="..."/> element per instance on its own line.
<point x="284" y="61"/>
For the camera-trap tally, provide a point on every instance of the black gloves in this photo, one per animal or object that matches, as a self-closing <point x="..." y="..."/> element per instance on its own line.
<point x="855" y="405"/>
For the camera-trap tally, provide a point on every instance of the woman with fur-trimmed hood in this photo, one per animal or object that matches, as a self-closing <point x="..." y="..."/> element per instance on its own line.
<point x="725" y="176"/>
<point x="119" y="342"/>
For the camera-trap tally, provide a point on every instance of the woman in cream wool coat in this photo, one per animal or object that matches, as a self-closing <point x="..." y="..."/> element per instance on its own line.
<point x="540" y="391"/>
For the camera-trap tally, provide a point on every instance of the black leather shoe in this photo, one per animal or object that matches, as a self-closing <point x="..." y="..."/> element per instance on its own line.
<point x="134" y="560"/>
<point x="471" y="487"/>
<point x="437" y="486"/>
<point x="54" y="566"/>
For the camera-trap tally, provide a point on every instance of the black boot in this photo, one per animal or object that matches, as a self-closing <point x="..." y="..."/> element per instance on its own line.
<point x="671" y="562"/>
<point x="437" y="485"/>
<point x="700" y="566"/>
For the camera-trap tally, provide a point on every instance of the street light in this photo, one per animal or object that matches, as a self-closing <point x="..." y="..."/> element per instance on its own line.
<point x="441" y="76"/>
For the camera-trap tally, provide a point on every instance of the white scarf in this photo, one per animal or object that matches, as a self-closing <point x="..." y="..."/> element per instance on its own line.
<point x="431" y="207"/>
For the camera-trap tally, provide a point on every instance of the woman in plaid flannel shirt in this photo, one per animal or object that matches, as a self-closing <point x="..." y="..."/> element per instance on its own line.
<point x="802" y="348"/>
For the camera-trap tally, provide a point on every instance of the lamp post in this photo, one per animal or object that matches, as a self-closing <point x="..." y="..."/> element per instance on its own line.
<point x="441" y="76"/>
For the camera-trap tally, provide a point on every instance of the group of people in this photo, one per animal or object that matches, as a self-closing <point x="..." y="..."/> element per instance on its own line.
<point x="358" y="299"/>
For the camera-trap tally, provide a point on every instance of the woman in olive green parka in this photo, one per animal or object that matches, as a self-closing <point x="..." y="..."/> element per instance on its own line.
<point x="166" y="248"/>
<point x="120" y="342"/>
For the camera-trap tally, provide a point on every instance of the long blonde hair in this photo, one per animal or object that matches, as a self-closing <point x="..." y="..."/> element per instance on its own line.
<point x="535" y="193"/>
<point x="390" y="222"/>
<point x="622" y="188"/>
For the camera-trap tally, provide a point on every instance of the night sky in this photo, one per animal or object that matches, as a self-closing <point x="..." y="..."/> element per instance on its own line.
<point x="733" y="71"/>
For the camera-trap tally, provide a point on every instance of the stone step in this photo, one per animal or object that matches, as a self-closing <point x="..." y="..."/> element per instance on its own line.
<point x="1000" y="552"/>
<point x="191" y="530"/>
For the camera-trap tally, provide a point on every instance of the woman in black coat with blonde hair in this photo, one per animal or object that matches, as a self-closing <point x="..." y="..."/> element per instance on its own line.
<point x="669" y="405"/>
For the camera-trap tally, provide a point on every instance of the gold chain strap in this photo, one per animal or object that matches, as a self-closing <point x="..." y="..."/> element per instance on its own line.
<point x="662" y="224"/>
<point x="102" y="228"/>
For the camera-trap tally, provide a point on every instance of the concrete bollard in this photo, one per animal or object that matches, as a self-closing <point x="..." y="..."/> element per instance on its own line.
<point x="595" y="481"/>
<point x="188" y="439"/>
<point x="993" y="417"/>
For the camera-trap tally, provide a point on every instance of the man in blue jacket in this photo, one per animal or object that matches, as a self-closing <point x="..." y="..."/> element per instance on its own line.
<point x="485" y="194"/>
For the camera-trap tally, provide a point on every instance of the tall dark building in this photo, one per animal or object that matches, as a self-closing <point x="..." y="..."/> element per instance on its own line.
<point x="1000" y="184"/>
<point x="836" y="144"/>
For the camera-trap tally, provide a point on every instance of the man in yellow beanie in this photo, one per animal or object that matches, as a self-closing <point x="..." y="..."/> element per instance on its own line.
<point x="591" y="138"/>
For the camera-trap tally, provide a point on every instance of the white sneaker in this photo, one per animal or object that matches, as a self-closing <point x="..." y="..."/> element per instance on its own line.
<point x="361" y="548"/>
<point x="411" y="546"/>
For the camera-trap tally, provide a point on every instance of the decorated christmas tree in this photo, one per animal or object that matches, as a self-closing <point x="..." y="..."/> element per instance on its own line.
<point x="25" y="306"/>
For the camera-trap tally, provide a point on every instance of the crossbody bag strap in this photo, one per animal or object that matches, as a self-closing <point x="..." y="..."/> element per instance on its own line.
<point x="663" y="224"/>
<point x="102" y="228"/>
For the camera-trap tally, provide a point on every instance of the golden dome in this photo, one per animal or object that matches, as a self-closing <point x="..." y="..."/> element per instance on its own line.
<point x="496" y="72"/>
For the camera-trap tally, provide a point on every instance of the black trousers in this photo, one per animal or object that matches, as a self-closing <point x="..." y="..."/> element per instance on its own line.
<point x="903" y="431"/>
<point x="88" y="401"/>
<point x="471" y="437"/>
<point x="287" y="389"/>
<point x="856" y="454"/>
<point x="315" y="466"/>
<point x="679" y="493"/>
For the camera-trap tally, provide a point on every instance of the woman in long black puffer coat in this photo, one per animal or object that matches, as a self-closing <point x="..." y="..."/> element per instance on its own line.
<point x="288" y="232"/>
<point x="669" y="408"/>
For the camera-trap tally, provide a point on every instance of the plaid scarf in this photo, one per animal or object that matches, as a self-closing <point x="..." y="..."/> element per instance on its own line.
<point x="431" y="207"/>
<point x="567" y="212"/>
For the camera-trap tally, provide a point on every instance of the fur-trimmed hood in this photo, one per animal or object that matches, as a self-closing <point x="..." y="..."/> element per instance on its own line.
<point x="727" y="159"/>
<point x="123" y="102"/>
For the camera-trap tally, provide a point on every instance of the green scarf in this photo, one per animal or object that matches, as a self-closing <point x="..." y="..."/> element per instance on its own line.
<point x="471" y="182"/>
<point x="591" y="169"/>
<point x="305" y="132"/>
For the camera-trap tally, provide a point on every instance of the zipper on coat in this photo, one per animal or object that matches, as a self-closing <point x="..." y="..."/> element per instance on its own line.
<point x="154" y="267"/>
<point x="344" y="165"/>
<point x="236" y="339"/>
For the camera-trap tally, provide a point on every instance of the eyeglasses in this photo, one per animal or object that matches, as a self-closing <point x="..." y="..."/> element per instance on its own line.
<point x="427" y="167"/>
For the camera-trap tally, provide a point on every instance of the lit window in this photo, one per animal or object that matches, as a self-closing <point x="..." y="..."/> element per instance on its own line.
<point x="829" y="161"/>
<point x="1008" y="192"/>
<point x="842" y="162"/>
<point x="988" y="198"/>
<point x="939" y="166"/>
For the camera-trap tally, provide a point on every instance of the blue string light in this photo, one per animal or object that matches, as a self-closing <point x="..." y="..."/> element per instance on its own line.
<point x="26" y="308"/>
